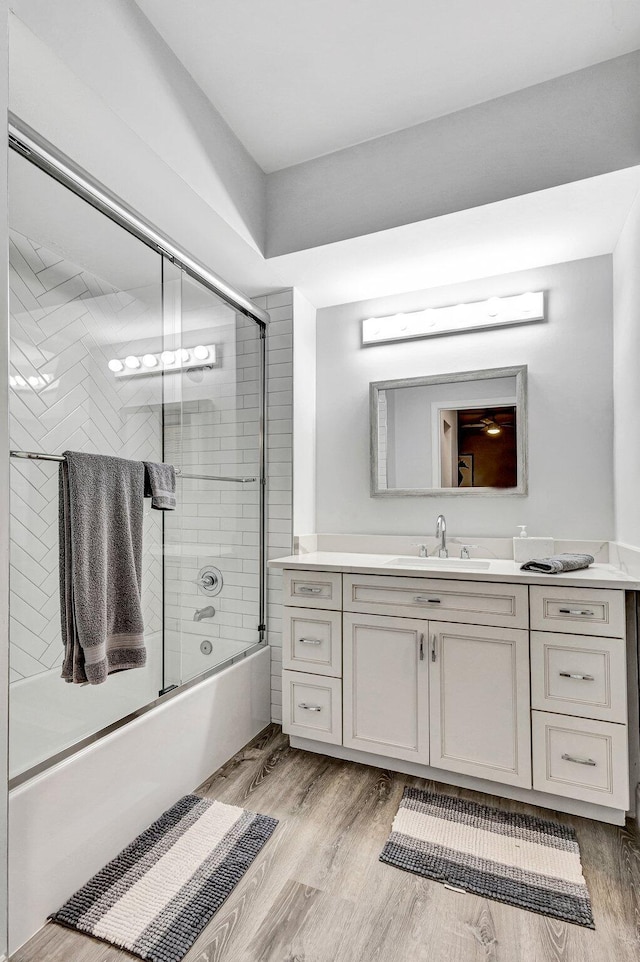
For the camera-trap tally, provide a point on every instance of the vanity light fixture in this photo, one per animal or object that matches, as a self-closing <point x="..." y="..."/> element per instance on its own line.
<point x="203" y="355"/>
<point x="436" y="321"/>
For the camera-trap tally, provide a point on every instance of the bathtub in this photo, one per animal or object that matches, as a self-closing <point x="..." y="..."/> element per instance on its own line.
<point x="65" y="823"/>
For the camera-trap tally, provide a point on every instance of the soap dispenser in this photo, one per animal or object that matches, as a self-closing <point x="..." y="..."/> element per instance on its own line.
<point x="528" y="549"/>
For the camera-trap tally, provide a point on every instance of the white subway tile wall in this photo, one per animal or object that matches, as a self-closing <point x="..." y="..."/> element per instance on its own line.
<point x="279" y="470"/>
<point x="65" y="325"/>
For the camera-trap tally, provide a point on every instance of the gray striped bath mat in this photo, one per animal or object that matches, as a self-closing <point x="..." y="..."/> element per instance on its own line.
<point x="517" y="859"/>
<point x="158" y="894"/>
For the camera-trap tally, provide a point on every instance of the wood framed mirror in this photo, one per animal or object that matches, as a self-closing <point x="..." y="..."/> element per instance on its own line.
<point x="462" y="434"/>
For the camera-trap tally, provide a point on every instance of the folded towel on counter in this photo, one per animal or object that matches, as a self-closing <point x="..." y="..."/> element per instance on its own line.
<point x="559" y="562"/>
<point x="160" y="485"/>
<point x="100" y="521"/>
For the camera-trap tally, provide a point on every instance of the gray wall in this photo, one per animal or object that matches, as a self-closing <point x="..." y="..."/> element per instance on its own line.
<point x="576" y="126"/>
<point x="570" y="407"/>
<point x="626" y="300"/>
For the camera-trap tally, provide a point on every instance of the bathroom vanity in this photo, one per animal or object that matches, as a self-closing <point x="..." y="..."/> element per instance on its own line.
<point x="473" y="673"/>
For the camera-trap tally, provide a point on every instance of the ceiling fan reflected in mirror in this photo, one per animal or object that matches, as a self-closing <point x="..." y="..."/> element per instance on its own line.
<point x="492" y="424"/>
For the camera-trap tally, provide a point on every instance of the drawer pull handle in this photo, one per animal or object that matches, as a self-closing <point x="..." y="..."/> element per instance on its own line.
<point x="422" y="600"/>
<point x="306" y="707"/>
<point x="308" y="590"/>
<point x="578" y="761"/>
<point x="310" y="641"/>
<point x="576" y="611"/>
<point x="577" y="675"/>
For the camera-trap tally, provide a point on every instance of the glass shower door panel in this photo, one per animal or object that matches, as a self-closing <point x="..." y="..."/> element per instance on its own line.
<point x="212" y="541"/>
<point x="84" y="294"/>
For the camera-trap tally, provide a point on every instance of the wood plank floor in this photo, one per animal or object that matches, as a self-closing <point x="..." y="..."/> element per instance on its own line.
<point x="317" y="892"/>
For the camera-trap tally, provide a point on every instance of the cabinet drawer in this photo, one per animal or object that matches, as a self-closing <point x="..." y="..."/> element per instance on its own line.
<point x="312" y="641"/>
<point x="312" y="706"/>
<point x="579" y="675"/>
<point x="579" y="758"/>
<point x="471" y="603"/>
<point x="581" y="611"/>
<point x="313" y="589"/>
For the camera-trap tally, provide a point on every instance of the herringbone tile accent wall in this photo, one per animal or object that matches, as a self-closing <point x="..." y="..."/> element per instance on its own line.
<point x="65" y="325"/>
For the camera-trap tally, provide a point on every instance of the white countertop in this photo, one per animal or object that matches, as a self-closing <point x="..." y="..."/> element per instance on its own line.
<point x="597" y="576"/>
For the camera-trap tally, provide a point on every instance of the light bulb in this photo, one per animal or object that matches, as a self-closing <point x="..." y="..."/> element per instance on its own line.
<point x="493" y="306"/>
<point x="149" y="360"/>
<point x="201" y="352"/>
<point x="115" y="365"/>
<point x="183" y="355"/>
<point x="132" y="362"/>
<point x="167" y="357"/>
<point x="494" y="429"/>
<point x="528" y="301"/>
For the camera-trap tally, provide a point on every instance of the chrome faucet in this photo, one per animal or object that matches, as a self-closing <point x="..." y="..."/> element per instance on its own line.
<point x="208" y="612"/>
<point x="441" y="533"/>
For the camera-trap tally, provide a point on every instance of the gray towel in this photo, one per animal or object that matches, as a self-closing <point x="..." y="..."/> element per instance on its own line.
<point x="100" y="515"/>
<point x="160" y="485"/>
<point x="559" y="562"/>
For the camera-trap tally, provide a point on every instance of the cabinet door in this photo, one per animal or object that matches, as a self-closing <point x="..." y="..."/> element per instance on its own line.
<point x="479" y="693"/>
<point x="385" y="670"/>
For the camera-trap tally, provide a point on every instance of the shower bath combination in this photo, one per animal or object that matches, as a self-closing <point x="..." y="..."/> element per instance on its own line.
<point x="93" y="283"/>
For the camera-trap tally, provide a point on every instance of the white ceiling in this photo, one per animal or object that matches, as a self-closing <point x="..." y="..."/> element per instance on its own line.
<point x="581" y="219"/>
<point x="296" y="79"/>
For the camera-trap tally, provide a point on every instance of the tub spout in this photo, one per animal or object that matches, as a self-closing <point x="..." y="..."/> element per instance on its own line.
<point x="207" y="612"/>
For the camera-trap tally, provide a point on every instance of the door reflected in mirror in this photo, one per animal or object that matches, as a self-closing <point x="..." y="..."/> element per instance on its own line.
<point x="459" y="434"/>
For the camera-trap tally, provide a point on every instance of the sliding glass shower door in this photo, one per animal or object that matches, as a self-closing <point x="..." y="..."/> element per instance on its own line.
<point x="212" y="415"/>
<point x="115" y="350"/>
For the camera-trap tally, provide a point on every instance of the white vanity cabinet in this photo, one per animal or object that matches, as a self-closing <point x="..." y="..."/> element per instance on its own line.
<point x="444" y="678"/>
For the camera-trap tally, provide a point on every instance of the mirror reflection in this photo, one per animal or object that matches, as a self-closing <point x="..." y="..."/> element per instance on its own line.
<point x="450" y="434"/>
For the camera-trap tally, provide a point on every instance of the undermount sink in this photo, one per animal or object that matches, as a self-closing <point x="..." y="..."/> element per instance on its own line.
<point x="466" y="564"/>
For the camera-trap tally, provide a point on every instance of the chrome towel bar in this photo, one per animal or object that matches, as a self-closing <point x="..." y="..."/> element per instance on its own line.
<point x="36" y="456"/>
